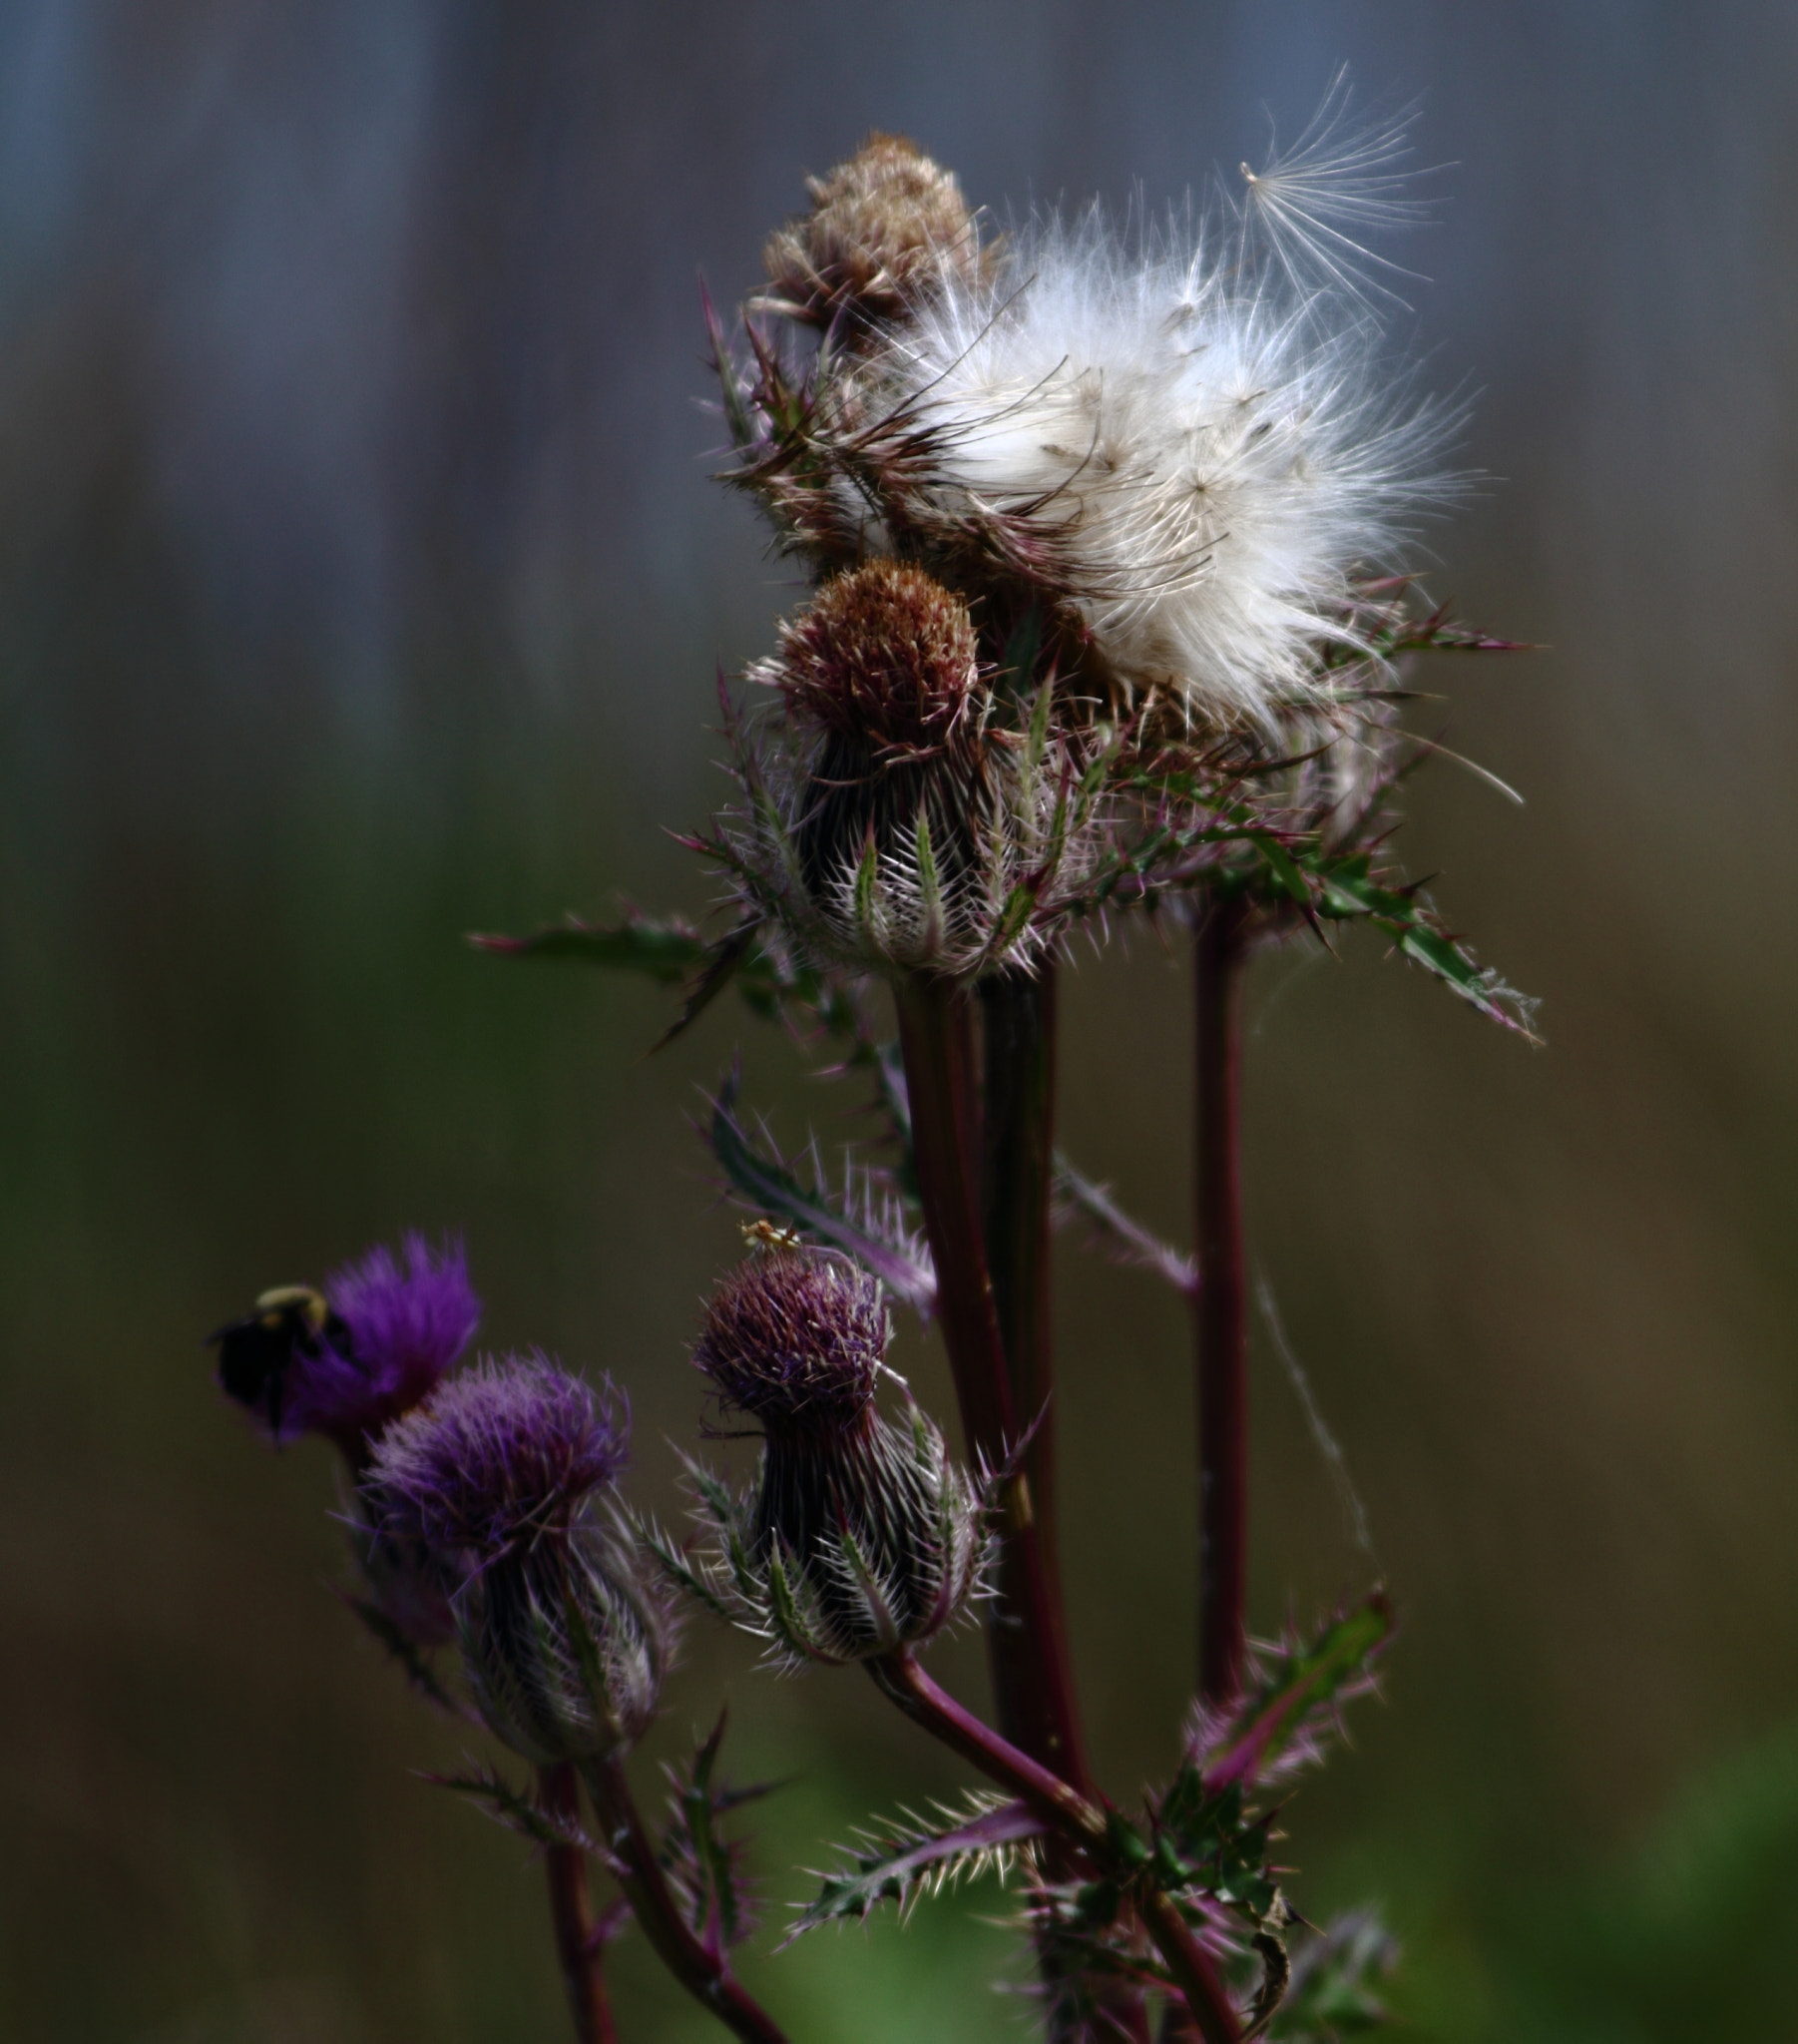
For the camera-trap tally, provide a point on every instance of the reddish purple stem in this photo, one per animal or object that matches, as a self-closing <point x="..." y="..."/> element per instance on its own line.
<point x="571" y="1910"/>
<point x="1032" y="1676"/>
<point x="704" y="1972"/>
<point x="1078" y="1818"/>
<point x="1220" y="1308"/>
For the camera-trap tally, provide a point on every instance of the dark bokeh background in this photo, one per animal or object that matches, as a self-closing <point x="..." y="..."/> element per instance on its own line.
<point x="360" y="585"/>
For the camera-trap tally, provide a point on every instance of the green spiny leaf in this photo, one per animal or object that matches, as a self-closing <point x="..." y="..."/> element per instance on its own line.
<point x="702" y="1860"/>
<point x="715" y="1498"/>
<point x="737" y="412"/>
<point x="867" y="877"/>
<point x="1345" y="889"/>
<point x="1295" y="1687"/>
<point x="724" y="960"/>
<point x="1282" y="869"/>
<point x="767" y="1185"/>
<point x="930" y="881"/>
<point x="1036" y="743"/>
<point x="663" y="950"/>
<point x="1131" y="1241"/>
<point x="909" y="1857"/>
<point x="1019" y="906"/>
<point x="519" y="1813"/>
<point x="668" y="1557"/>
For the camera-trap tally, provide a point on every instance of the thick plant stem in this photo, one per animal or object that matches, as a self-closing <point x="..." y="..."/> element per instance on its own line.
<point x="1221" y="1310"/>
<point x="1026" y="1636"/>
<point x="1017" y="1033"/>
<point x="700" y="1967"/>
<point x="1078" y="1818"/>
<point x="571" y="1910"/>
<point x="1018" y="1011"/>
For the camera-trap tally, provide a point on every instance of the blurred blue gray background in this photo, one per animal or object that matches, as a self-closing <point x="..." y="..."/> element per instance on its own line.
<point x="361" y="584"/>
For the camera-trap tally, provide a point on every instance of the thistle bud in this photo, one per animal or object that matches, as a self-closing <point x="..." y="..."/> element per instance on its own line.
<point x="881" y="668"/>
<point x="902" y="819"/>
<point x="562" y="1641"/>
<point x="344" y="1360"/>
<point x="884" y="230"/>
<point x="861" y="1535"/>
<point x="889" y="847"/>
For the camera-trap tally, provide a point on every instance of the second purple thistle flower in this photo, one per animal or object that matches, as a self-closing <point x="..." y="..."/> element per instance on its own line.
<point x="344" y="1360"/>
<point x="497" y="1483"/>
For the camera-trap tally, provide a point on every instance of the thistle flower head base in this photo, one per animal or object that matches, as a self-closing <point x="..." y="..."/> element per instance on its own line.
<point x="840" y="1555"/>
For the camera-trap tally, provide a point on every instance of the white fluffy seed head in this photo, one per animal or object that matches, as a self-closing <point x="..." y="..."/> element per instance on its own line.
<point x="1208" y="448"/>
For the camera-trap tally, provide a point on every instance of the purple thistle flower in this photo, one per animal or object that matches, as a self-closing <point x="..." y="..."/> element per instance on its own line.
<point x="344" y="1361"/>
<point x="562" y="1641"/>
<point x="795" y="1337"/>
<point x="503" y="1454"/>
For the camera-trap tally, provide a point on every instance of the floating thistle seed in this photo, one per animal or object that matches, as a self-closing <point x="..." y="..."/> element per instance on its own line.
<point x="885" y="227"/>
<point x="895" y="823"/>
<point x="860" y="1535"/>
<point x="563" y="1642"/>
<point x="346" y="1360"/>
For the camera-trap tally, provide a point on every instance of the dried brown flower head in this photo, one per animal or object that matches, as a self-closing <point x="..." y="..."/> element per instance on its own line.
<point x="883" y="658"/>
<point x="882" y="228"/>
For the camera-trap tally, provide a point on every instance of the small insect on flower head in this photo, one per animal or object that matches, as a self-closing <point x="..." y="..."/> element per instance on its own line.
<point x="884" y="228"/>
<point x="346" y="1360"/>
<point x="500" y="1477"/>
<point x="860" y="1535"/>
<point x="895" y="823"/>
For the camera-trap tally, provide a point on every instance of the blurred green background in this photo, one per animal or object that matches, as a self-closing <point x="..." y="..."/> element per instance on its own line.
<point x="360" y="585"/>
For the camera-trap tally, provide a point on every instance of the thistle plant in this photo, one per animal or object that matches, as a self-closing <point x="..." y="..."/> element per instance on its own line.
<point x="1110" y="618"/>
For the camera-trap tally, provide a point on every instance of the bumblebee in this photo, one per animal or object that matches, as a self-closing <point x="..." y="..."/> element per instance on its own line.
<point x="257" y="1352"/>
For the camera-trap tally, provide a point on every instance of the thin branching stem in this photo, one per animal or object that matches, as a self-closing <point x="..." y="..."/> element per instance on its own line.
<point x="701" y="1968"/>
<point x="1221" y="1310"/>
<point x="1079" y="1818"/>
<point x="570" y="1910"/>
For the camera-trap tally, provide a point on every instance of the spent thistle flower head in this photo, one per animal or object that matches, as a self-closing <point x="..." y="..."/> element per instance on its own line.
<point x="883" y="229"/>
<point x="344" y="1360"/>
<point x="897" y="821"/>
<point x="562" y="1641"/>
<point x="1184" y="444"/>
<point x="860" y="1535"/>
<point x="1195" y="456"/>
